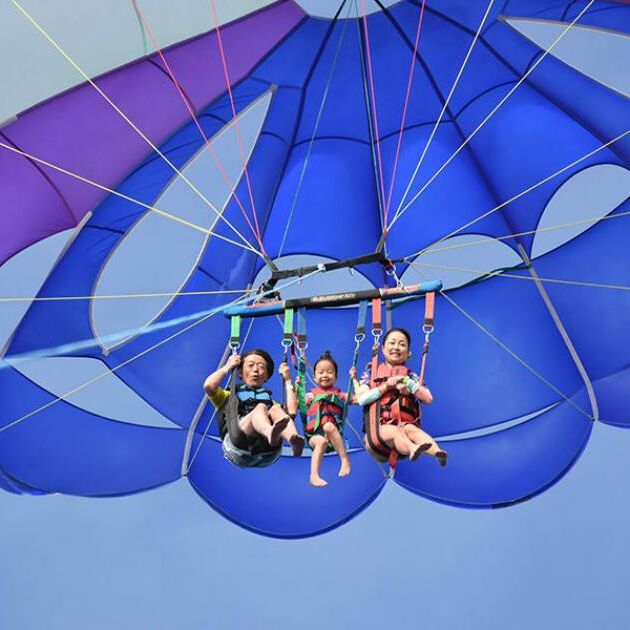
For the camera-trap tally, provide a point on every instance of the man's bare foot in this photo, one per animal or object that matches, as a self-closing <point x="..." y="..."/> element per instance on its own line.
<point x="441" y="456"/>
<point x="344" y="469"/>
<point x="418" y="450"/>
<point x="318" y="482"/>
<point x="297" y="444"/>
<point x="277" y="429"/>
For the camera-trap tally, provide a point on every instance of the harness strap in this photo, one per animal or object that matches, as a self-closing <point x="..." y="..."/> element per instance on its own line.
<point x="372" y="419"/>
<point x="427" y="329"/>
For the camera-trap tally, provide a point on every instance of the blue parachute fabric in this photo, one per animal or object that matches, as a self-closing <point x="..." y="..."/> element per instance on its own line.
<point x="613" y="398"/>
<point x="596" y="319"/>
<point x="505" y="467"/>
<point x="64" y="449"/>
<point x="277" y="501"/>
<point x="323" y="199"/>
<point x="10" y="484"/>
<point x="471" y="376"/>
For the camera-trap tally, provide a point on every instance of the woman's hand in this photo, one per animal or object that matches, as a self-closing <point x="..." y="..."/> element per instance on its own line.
<point x="353" y="372"/>
<point x="393" y="381"/>
<point x="403" y="389"/>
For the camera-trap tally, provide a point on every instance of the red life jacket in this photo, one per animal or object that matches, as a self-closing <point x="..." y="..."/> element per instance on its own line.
<point x="327" y="405"/>
<point x="392" y="407"/>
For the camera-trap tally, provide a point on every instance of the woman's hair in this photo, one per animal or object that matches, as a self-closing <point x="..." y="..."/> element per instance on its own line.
<point x="326" y="356"/>
<point x="265" y="355"/>
<point x="402" y="331"/>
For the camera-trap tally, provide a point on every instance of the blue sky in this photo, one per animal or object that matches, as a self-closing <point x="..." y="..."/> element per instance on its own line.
<point x="163" y="559"/>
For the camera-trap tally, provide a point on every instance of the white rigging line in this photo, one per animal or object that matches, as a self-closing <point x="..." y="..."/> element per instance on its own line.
<point x="315" y="129"/>
<point x="117" y="193"/>
<point x="444" y="108"/>
<point x="76" y="66"/>
<point x="380" y="195"/>
<point x="527" y="190"/>
<point x="508" y="350"/>
<point x="489" y="116"/>
<point x="199" y="317"/>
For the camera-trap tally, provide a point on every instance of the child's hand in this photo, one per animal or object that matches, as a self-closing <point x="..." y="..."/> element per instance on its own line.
<point x="283" y="370"/>
<point x="297" y="381"/>
<point x="353" y="372"/>
<point x="233" y="361"/>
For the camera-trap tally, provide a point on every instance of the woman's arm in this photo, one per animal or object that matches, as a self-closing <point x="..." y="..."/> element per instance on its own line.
<point x="213" y="382"/>
<point x="421" y="392"/>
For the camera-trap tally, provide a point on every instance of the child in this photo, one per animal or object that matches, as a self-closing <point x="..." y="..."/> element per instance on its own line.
<point x="400" y="394"/>
<point x="254" y="437"/>
<point x="322" y="427"/>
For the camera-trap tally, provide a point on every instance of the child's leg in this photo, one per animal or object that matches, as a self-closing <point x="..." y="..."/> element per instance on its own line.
<point x="332" y="433"/>
<point x="318" y="443"/>
<point x="289" y="433"/>
<point x="426" y="443"/>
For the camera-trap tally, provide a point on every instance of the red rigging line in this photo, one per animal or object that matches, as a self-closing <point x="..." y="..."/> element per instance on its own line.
<point x="404" y="114"/>
<point x="239" y="139"/>
<point x="374" y="115"/>
<point x="191" y="111"/>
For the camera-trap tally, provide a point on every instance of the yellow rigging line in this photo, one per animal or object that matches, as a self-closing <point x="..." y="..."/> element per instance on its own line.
<point x="431" y="249"/>
<point x="76" y="66"/>
<point x="502" y="274"/>
<point x="489" y="116"/>
<point x="163" y="213"/>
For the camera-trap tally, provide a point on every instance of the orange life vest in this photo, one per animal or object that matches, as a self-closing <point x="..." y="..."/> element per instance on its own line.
<point x="392" y="408"/>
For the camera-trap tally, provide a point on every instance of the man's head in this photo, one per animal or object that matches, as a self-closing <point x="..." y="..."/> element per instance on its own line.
<point x="256" y="367"/>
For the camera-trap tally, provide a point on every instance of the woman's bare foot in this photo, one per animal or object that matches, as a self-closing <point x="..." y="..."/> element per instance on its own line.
<point x="297" y="444"/>
<point x="318" y="482"/>
<point x="277" y="429"/>
<point x="441" y="456"/>
<point x="418" y="450"/>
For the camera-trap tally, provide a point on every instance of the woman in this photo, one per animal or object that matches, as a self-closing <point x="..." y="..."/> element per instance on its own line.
<point x="393" y="395"/>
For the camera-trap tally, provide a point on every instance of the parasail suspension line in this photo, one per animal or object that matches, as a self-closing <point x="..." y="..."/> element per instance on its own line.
<point x="187" y="102"/>
<point x="116" y="193"/>
<point x="298" y="188"/>
<point x="380" y="194"/>
<point x="491" y="114"/>
<point x="404" y="113"/>
<point x="200" y="318"/>
<point x="237" y="127"/>
<point x="117" y="109"/>
<point x="444" y="108"/>
<point x="507" y="349"/>
<point x="533" y="187"/>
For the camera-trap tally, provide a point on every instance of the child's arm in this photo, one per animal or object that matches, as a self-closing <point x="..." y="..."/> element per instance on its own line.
<point x="292" y="405"/>
<point x="213" y="382"/>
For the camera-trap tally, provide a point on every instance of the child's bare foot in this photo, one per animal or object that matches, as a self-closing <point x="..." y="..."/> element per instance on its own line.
<point x="318" y="482"/>
<point x="297" y="444"/>
<point x="277" y="429"/>
<point x="418" y="450"/>
<point x="441" y="456"/>
<point x="344" y="469"/>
